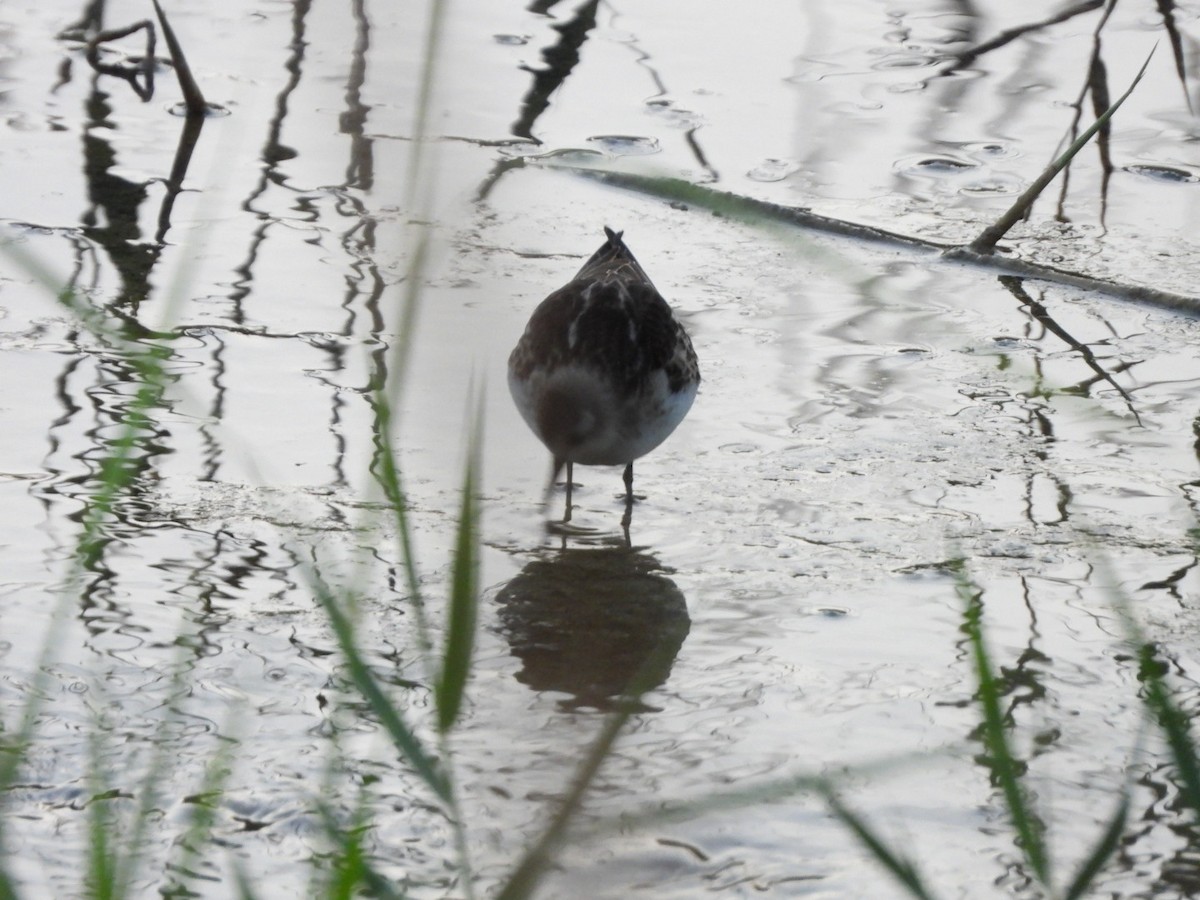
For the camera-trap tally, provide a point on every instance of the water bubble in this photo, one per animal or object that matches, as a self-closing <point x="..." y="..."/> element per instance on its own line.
<point x="907" y="87"/>
<point x="511" y="40"/>
<point x="990" y="150"/>
<point x="1169" y="174"/>
<point x="908" y="59"/>
<point x="991" y="186"/>
<point x="942" y="164"/>
<point x="516" y="149"/>
<point x="773" y="170"/>
<point x="927" y="166"/>
<point x="574" y="155"/>
<point x="211" y="110"/>
<point x="625" y="144"/>
<point x="672" y="114"/>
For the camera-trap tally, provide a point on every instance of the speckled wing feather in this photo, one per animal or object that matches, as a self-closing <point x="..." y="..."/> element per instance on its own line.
<point x="610" y="326"/>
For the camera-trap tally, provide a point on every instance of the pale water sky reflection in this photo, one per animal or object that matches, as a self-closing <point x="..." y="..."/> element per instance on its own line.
<point x="868" y="414"/>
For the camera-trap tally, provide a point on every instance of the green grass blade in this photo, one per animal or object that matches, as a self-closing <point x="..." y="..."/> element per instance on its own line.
<point x="903" y="870"/>
<point x="353" y="871"/>
<point x="464" y="593"/>
<point x="100" y="870"/>
<point x="350" y="868"/>
<point x="203" y="810"/>
<point x="533" y="865"/>
<point x="245" y="890"/>
<point x="390" y="717"/>
<point x="1030" y="831"/>
<point x="1174" y="723"/>
<point x="1102" y="852"/>
<point x="538" y="857"/>
<point x="387" y="474"/>
<point x="1171" y="719"/>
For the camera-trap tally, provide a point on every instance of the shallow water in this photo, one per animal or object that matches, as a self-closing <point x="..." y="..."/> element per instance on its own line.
<point x="868" y="414"/>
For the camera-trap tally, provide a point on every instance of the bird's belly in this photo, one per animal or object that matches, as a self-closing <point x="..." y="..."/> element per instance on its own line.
<point x="639" y="429"/>
<point x="607" y="427"/>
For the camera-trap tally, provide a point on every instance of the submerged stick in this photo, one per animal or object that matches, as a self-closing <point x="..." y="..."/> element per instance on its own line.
<point x="986" y="242"/>
<point x="145" y="90"/>
<point x="192" y="97"/>
<point x="759" y="211"/>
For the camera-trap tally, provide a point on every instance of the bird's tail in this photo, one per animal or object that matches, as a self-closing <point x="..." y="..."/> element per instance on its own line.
<point x="613" y="254"/>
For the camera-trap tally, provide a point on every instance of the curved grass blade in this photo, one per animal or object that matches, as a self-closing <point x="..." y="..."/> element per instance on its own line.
<point x="464" y="591"/>
<point x="203" y="811"/>
<point x="1102" y="852"/>
<point x="245" y="890"/>
<point x="1173" y="721"/>
<point x="102" y="863"/>
<point x="119" y="466"/>
<point x="390" y="717"/>
<point x="538" y="857"/>
<point x="354" y="872"/>
<point x="1030" y="830"/>
<point x="903" y="870"/>
<point x="388" y="476"/>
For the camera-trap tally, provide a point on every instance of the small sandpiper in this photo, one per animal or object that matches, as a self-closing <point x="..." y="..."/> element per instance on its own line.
<point x="604" y="371"/>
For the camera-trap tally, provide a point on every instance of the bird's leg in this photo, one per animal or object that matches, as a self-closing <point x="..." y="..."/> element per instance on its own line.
<point x="628" y="517"/>
<point x="570" y="478"/>
<point x="559" y="464"/>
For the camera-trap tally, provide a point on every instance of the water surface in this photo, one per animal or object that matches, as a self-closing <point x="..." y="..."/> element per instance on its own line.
<point x="868" y="414"/>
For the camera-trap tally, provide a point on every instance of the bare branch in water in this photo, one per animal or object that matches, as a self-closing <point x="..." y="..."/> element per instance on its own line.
<point x="128" y="73"/>
<point x="191" y="91"/>
<point x="986" y="242"/>
<point x="678" y="191"/>
<point x="969" y="56"/>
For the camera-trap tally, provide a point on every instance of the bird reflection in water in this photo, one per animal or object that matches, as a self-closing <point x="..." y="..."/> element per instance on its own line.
<point x="590" y="623"/>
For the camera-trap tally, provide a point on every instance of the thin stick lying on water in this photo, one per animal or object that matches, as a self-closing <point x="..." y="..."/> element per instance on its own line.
<point x="979" y="252"/>
<point x="192" y="98"/>
<point x="752" y="210"/>
<point x="986" y="242"/>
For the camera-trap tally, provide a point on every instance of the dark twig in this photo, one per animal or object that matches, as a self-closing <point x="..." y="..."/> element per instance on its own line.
<point x="183" y="155"/>
<point x="144" y="89"/>
<point x="560" y="59"/>
<point x="1097" y="86"/>
<point x="192" y="98"/>
<point x="1039" y="312"/>
<point x="759" y="211"/>
<point x="986" y="242"/>
<point x="1166" y="9"/>
<point x="1008" y="36"/>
